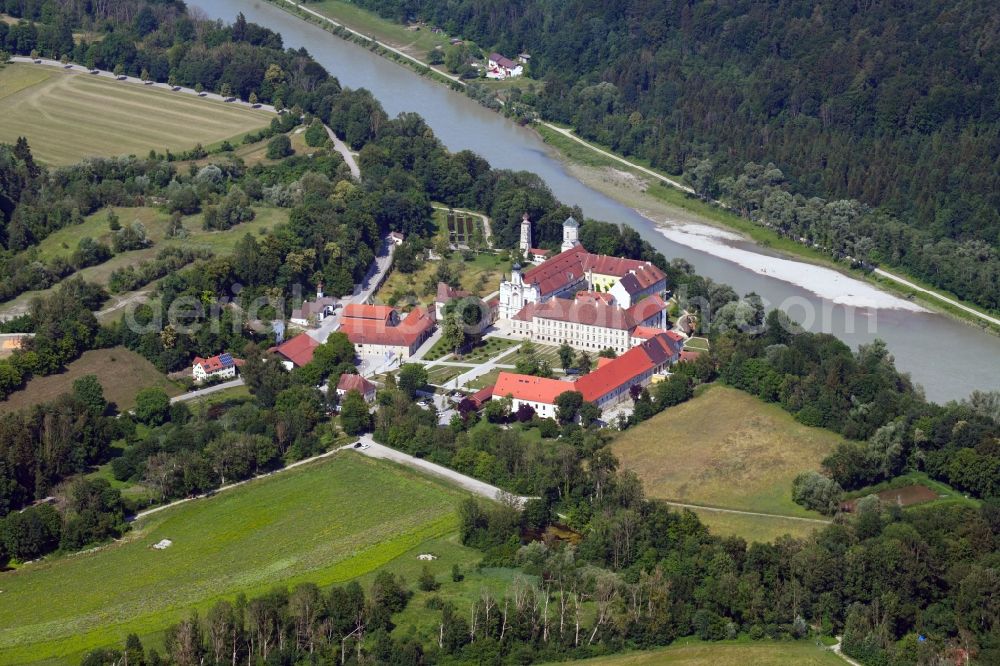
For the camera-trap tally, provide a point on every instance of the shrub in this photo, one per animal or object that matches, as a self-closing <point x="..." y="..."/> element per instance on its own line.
<point x="279" y="147"/>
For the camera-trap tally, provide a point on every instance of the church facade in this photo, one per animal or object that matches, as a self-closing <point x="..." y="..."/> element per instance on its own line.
<point x="588" y="301"/>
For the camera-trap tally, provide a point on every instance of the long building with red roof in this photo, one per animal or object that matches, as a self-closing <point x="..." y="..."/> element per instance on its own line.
<point x="605" y="386"/>
<point x="379" y="331"/>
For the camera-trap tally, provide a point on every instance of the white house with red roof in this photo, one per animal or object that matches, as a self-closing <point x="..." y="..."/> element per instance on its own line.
<point x="605" y="386"/>
<point x="378" y="331"/>
<point x="349" y="382"/>
<point x="502" y="67"/>
<point x="221" y="366"/>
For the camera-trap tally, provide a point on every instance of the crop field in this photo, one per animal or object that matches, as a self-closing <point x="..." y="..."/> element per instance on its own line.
<point x="302" y="525"/>
<point x="726" y="449"/>
<point x="68" y="116"/>
<point x="122" y="374"/>
<point x="725" y="653"/>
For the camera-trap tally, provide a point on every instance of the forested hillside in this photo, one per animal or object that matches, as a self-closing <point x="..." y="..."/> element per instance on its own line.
<point x="893" y="103"/>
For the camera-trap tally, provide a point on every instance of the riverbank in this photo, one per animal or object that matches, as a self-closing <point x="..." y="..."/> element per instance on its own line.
<point x="629" y="181"/>
<point x="631" y="185"/>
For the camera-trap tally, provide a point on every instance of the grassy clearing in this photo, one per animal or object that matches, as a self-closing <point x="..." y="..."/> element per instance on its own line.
<point x="727" y="449"/>
<point x="754" y="528"/>
<point x="700" y="344"/>
<point x="726" y="653"/>
<point x="122" y="374"/>
<point x="484" y="380"/>
<point x="64" y="241"/>
<point x="481" y="276"/>
<point x="68" y="116"/>
<point x="301" y="525"/>
<point x="416" y="43"/>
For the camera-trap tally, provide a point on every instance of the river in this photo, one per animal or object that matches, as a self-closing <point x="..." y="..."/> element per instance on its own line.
<point x="947" y="357"/>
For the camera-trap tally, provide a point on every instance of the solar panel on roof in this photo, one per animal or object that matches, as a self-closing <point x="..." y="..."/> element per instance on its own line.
<point x="226" y="359"/>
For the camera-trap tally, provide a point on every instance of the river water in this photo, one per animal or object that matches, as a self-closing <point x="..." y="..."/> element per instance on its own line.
<point x="947" y="357"/>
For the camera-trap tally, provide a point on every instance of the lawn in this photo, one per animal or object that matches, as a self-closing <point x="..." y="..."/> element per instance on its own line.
<point x="481" y="277"/>
<point x="68" y="116"/>
<point x="754" y="528"/>
<point x="727" y="449"/>
<point x="300" y="525"/>
<point x="439" y="375"/>
<point x="725" y="653"/>
<point x="484" y="380"/>
<point x="122" y="374"/>
<point x="416" y="43"/>
<point x="489" y="348"/>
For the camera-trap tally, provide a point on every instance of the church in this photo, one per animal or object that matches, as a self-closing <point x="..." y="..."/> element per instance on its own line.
<point x="588" y="301"/>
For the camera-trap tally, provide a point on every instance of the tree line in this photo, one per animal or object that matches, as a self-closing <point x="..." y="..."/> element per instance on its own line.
<point x="852" y="101"/>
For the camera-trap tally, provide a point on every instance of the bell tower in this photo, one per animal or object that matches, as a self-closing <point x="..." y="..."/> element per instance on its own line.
<point x="525" y="243"/>
<point x="571" y="234"/>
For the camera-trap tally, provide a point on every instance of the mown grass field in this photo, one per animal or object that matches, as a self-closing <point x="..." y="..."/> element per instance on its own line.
<point x="122" y="374"/>
<point x="725" y="653"/>
<point x="68" y="116"/>
<point x="327" y="522"/>
<point x="725" y="448"/>
<point x="759" y="528"/>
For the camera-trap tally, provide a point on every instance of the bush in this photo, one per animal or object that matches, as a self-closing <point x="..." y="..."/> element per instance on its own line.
<point x="817" y="492"/>
<point x="279" y="147"/>
<point x="315" y="134"/>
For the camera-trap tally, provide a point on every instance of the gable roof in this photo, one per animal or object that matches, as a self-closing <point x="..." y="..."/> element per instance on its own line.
<point x="373" y="312"/>
<point x="503" y="61"/>
<point x="446" y="293"/>
<point x="527" y="387"/>
<point x="374" y="331"/>
<point x="299" y="350"/>
<point x="349" y="382"/>
<point x="646" y="308"/>
<point x="217" y="363"/>
<point x="572" y="265"/>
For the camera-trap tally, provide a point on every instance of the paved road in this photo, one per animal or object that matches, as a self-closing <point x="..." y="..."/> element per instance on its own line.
<point x="649" y="172"/>
<point x="475" y="486"/>
<point x="700" y="507"/>
<point x="131" y="79"/>
<point x="940" y="297"/>
<point x="345" y="152"/>
<point x="201" y="393"/>
<point x="329" y="20"/>
<point x="362" y="292"/>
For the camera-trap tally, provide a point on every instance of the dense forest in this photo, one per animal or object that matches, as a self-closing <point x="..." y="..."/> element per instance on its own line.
<point x="893" y="104"/>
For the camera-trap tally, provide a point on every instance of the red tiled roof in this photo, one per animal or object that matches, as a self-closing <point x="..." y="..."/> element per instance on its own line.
<point x="503" y="61"/>
<point x="647" y="307"/>
<point x="379" y="332"/>
<point x="571" y="265"/>
<point x="603" y="361"/>
<point x="592" y="310"/>
<point x="595" y="296"/>
<point x="348" y="382"/>
<point x="646" y="332"/>
<point x="445" y="293"/>
<point x="372" y="312"/>
<point x="610" y="374"/>
<point x="526" y="387"/>
<point x="299" y="350"/>
<point x="676" y="337"/>
<point x="689" y="355"/>
<point x="623" y="370"/>
<point x="555" y="273"/>
<point x="217" y="362"/>
<point x="482" y="395"/>
<point x="538" y="251"/>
